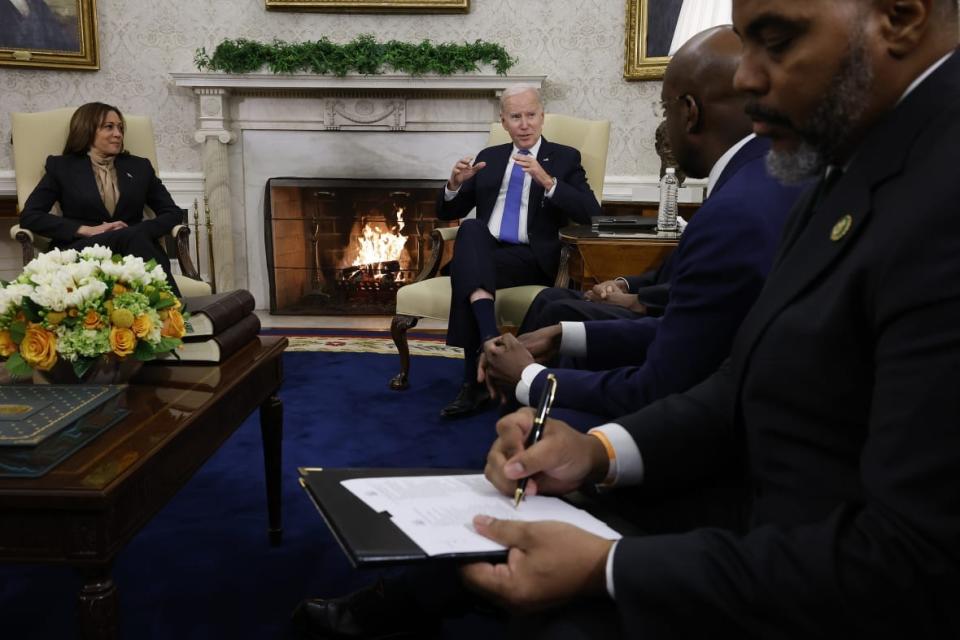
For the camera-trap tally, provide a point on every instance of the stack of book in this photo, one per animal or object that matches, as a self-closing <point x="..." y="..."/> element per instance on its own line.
<point x="220" y="324"/>
<point x="623" y="224"/>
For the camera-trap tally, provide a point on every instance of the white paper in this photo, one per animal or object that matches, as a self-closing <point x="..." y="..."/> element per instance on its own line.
<point x="437" y="512"/>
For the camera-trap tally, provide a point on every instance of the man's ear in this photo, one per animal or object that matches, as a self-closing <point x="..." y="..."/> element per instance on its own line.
<point x="903" y="24"/>
<point x="691" y="113"/>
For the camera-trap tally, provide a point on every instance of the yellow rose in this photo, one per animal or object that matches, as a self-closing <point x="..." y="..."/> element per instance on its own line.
<point x="55" y="317"/>
<point x="118" y="289"/>
<point x="142" y="325"/>
<point x="122" y="341"/>
<point x="173" y="326"/>
<point x="7" y="346"/>
<point x="122" y="318"/>
<point x="91" y="320"/>
<point x="39" y="348"/>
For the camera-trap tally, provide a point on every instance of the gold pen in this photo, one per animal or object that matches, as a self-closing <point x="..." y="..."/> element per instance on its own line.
<point x="539" y="420"/>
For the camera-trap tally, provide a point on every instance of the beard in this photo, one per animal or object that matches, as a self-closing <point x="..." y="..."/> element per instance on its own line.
<point x="827" y="131"/>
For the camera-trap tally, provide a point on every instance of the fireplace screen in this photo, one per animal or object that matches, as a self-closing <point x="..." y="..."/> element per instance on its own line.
<point x="338" y="247"/>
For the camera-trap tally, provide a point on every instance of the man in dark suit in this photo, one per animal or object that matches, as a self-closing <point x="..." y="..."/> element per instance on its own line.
<point x="616" y="366"/>
<point x="839" y="401"/>
<point x="32" y="24"/>
<point x="531" y="188"/>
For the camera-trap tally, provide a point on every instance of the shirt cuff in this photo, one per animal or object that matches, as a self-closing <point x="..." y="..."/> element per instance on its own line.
<point x="573" y="339"/>
<point x="553" y="189"/>
<point x="449" y="195"/>
<point x="527" y="377"/>
<point x="627" y="466"/>
<point x="610" y="553"/>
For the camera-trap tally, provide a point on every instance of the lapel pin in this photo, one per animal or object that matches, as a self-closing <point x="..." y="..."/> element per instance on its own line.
<point x="841" y="228"/>
<point x="130" y="176"/>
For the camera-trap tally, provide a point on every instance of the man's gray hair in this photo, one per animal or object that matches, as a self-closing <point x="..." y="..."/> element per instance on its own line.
<point x="517" y="89"/>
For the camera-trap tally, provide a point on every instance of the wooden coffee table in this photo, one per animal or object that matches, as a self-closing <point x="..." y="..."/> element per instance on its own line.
<point x="87" y="508"/>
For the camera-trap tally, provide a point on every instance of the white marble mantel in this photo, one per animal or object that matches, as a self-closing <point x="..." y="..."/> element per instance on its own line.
<point x="256" y="126"/>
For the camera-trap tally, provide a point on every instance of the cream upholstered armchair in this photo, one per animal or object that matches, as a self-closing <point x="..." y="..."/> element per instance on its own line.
<point x="428" y="296"/>
<point x="41" y="134"/>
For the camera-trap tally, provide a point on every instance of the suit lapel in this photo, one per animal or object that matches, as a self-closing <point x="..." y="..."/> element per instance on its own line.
<point x="124" y="181"/>
<point x="87" y="185"/>
<point x="545" y="158"/>
<point x="844" y="212"/>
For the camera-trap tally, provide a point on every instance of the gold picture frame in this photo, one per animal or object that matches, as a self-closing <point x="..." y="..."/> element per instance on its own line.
<point x="372" y="6"/>
<point x="649" y="31"/>
<point x="56" y="34"/>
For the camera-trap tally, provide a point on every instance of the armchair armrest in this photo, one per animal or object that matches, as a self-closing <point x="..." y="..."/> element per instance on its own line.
<point x="438" y="241"/>
<point x="30" y="243"/>
<point x="181" y="236"/>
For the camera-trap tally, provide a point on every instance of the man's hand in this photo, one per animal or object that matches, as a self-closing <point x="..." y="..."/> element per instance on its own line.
<point x="625" y="300"/>
<point x="543" y="344"/>
<point x="85" y="232"/>
<point x="531" y="166"/>
<point x="560" y="462"/>
<point x="504" y="359"/>
<point x="599" y="292"/>
<point x="548" y="564"/>
<point x="463" y="171"/>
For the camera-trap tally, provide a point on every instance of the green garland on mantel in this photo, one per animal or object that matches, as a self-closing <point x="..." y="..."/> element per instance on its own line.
<point x="363" y="55"/>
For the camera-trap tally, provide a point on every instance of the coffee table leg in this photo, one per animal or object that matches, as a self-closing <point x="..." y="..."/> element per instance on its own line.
<point x="98" y="606"/>
<point x="271" y="427"/>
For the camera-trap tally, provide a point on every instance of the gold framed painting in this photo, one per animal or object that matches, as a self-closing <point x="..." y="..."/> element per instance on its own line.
<point x="650" y="27"/>
<point x="373" y="6"/>
<point x="49" y="34"/>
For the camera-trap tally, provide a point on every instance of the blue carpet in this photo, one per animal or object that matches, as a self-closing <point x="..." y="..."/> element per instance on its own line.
<point x="202" y="568"/>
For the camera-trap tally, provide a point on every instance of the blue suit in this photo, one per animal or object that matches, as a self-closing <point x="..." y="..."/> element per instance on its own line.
<point x="719" y="268"/>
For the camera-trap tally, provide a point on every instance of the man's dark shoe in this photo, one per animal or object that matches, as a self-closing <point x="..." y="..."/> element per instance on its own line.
<point x="471" y="398"/>
<point x="373" y="612"/>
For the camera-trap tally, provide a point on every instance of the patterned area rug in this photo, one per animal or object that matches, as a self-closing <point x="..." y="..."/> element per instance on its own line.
<point x="363" y="342"/>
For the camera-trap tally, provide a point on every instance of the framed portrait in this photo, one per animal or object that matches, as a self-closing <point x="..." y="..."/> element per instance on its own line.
<point x="373" y="6"/>
<point x="650" y="28"/>
<point x="49" y="34"/>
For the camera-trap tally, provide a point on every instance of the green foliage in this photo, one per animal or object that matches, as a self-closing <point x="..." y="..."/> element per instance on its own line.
<point x="363" y="55"/>
<point x="18" y="367"/>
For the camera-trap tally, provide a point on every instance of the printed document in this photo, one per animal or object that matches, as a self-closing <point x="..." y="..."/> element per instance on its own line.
<point x="437" y="512"/>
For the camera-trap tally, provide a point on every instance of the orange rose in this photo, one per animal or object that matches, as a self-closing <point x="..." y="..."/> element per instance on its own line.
<point x="7" y="346"/>
<point x="118" y="289"/>
<point x="142" y="325"/>
<point x="122" y="341"/>
<point x="91" y="320"/>
<point x="173" y="326"/>
<point x="39" y="348"/>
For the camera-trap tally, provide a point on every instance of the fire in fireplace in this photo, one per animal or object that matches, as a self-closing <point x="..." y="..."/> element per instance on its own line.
<point x="345" y="246"/>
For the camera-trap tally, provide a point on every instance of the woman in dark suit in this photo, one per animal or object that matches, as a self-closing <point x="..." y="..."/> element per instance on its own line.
<point x="102" y="191"/>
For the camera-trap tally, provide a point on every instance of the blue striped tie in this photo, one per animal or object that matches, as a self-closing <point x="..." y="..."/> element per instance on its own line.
<point x="510" y="223"/>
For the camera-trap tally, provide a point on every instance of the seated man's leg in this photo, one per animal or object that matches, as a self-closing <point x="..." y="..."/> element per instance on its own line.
<point x="555" y="305"/>
<point x="480" y="266"/>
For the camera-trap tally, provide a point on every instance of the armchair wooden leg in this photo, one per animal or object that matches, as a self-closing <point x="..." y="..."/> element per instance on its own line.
<point x="398" y="329"/>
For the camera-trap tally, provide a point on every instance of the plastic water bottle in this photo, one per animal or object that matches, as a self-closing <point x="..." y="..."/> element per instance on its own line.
<point x="667" y="214"/>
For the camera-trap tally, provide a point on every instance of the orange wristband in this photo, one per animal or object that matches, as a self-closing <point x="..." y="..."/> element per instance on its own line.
<point x="611" y="456"/>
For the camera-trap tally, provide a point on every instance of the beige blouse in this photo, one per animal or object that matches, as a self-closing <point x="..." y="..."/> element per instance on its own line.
<point x="106" y="174"/>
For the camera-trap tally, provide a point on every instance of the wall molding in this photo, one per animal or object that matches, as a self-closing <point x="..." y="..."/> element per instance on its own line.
<point x="187" y="186"/>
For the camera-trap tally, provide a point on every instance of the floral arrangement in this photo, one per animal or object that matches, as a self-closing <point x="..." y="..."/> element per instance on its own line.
<point x="79" y="306"/>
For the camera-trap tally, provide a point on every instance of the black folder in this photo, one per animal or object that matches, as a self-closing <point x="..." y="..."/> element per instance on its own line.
<point x="368" y="538"/>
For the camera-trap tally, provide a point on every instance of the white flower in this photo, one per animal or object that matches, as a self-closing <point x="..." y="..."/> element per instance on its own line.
<point x="96" y="252"/>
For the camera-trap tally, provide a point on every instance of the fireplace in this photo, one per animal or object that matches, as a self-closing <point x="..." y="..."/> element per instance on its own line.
<point x="344" y="246"/>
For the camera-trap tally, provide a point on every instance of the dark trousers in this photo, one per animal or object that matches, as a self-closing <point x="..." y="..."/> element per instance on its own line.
<point x="480" y="261"/>
<point x="555" y="305"/>
<point x="133" y="241"/>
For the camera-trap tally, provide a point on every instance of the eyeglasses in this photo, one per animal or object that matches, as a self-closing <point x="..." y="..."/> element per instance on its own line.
<point x="660" y="106"/>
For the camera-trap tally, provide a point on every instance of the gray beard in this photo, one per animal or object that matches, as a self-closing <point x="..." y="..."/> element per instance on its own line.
<point x="828" y="129"/>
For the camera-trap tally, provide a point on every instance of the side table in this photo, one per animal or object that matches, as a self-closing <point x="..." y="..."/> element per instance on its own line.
<point x="593" y="257"/>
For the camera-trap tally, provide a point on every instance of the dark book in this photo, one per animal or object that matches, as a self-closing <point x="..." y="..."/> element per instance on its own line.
<point x="218" y="347"/>
<point x="31" y="413"/>
<point x="212" y="314"/>
<point x="623" y="223"/>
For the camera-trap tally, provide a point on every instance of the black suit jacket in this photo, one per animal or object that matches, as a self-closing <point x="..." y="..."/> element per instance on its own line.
<point x="572" y="199"/>
<point x="842" y="397"/>
<point x="70" y="181"/>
